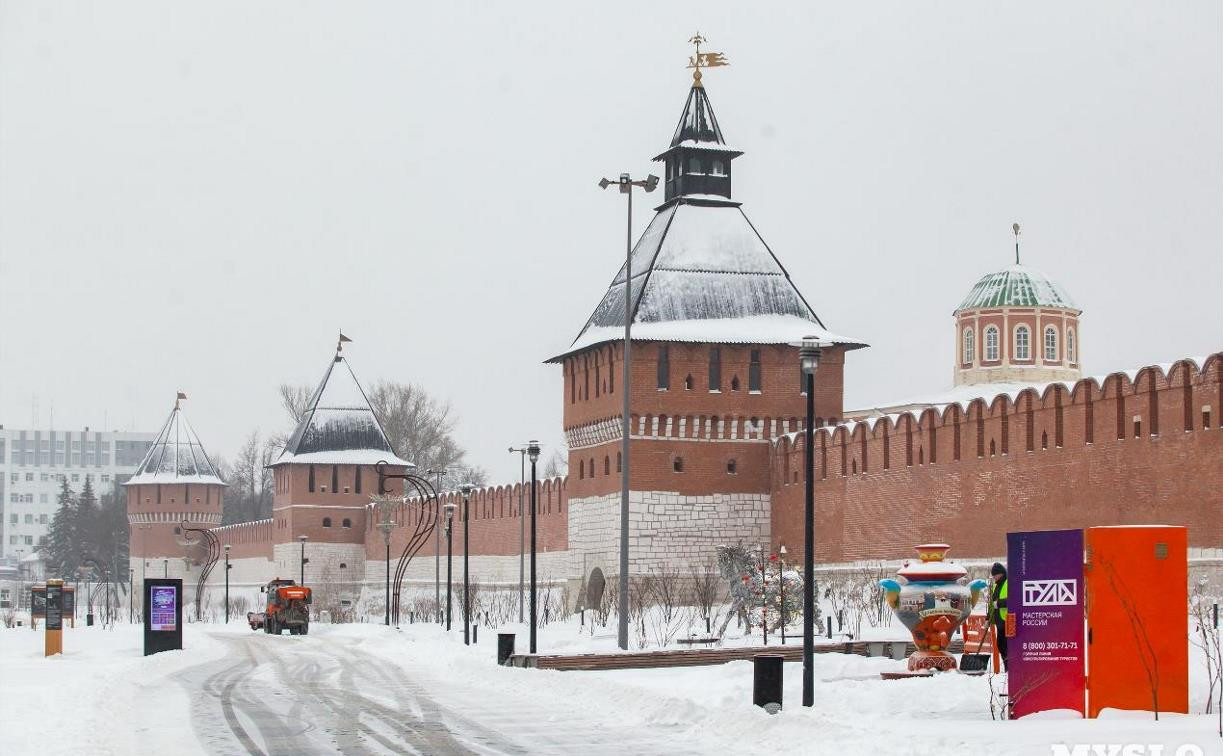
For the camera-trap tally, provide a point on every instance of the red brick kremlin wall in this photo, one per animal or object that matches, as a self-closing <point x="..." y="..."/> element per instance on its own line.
<point x="1143" y="448"/>
<point x="493" y="519"/>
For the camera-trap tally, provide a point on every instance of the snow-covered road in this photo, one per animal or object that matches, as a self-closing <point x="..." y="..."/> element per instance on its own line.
<point x="325" y="693"/>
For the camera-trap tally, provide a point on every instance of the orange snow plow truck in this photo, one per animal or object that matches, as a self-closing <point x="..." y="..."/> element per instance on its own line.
<point x="288" y="608"/>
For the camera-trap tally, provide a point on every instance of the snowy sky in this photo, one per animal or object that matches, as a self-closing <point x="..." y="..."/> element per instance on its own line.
<point x="198" y="196"/>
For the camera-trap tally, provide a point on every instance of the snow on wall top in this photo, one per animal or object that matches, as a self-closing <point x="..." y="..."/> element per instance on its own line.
<point x="698" y="268"/>
<point x="339" y="426"/>
<point x="177" y="456"/>
<point x="1017" y="286"/>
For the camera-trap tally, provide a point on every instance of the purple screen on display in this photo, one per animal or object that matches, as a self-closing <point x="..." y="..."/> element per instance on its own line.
<point x="1046" y="656"/>
<point x="164" y="601"/>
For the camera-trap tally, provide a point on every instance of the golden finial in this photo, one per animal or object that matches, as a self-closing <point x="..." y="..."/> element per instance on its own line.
<point x="1015" y="228"/>
<point x="706" y="60"/>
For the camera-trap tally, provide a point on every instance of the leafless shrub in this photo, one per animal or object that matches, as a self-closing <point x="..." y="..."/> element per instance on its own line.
<point x="1138" y="629"/>
<point x="1206" y="636"/>
<point x="609" y="603"/>
<point x="706" y="587"/>
<point x="8" y="616"/>
<point x="641" y="597"/>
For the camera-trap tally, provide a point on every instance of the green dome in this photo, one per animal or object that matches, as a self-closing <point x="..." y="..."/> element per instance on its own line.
<point x="1017" y="286"/>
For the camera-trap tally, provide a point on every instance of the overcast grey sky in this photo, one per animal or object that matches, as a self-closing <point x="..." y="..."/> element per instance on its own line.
<point x="198" y="196"/>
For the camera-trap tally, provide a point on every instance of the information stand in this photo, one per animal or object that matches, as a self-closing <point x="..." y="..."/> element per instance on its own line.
<point x="54" y="612"/>
<point x="163" y="615"/>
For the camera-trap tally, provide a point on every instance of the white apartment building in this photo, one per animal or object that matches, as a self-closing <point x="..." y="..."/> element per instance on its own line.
<point x="32" y="463"/>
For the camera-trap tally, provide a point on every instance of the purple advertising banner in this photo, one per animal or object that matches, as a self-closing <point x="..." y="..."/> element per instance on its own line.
<point x="1045" y="595"/>
<point x="162" y="616"/>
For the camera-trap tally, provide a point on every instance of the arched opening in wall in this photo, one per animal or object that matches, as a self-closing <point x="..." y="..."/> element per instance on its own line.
<point x="887" y="447"/>
<point x="1030" y="424"/>
<point x="357" y="478"/>
<point x="607" y="465"/>
<point x="921" y="456"/>
<point x="734" y="383"/>
<point x="1137" y="426"/>
<point x="731" y="467"/>
<point x="753" y="372"/>
<point x="178" y="530"/>
<point x="335" y="478"/>
<point x="310" y="485"/>
<point x="598" y="378"/>
<point x="688" y="383"/>
<point x="592" y="467"/>
<point x="855" y="467"/>
<point x="346" y="522"/>
<point x="594" y="589"/>
<point x="581" y="469"/>
<point x="1044" y="439"/>
<point x="677" y="464"/>
<point x="619" y="462"/>
<point x="343" y="565"/>
<point x="326" y="522"/>
<point x="664" y="367"/>
<point x="992" y="448"/>
<point x="585" y="378"/>
<point x="1206" y="417"/>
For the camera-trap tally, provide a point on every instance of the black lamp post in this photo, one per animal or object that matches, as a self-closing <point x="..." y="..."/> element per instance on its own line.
<point x="449" y="555"/>
<point x="302" y="538"/>
<point x="228" y="566"/>
<point x="533" y="455"/>
<point x="781" y="586"/>
<point x="466" y="490"/>
<point x="625" y="184"/>
<point x="385" y="506"/>
<point x="809" y="356"/>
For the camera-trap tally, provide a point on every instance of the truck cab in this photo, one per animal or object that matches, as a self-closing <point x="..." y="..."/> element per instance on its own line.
<point x="287" y="607"/>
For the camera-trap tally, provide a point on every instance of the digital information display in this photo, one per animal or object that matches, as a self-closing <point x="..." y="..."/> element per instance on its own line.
<point x="164" y="610"/>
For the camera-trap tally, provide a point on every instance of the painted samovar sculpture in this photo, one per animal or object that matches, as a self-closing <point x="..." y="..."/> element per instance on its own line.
<point x="931" y="600"/>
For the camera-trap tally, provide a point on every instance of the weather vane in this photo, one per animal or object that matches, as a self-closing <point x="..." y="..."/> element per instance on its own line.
<point x="703" y="60"/>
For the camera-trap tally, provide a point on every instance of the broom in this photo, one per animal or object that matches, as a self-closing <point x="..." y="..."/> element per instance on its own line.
<point x="979" y="662"/>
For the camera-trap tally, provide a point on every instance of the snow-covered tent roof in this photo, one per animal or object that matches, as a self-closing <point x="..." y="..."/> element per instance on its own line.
<point x="698" y="126"/>
<point x="177" y="456"/>
<point x="339" y="426"/>
<point x="702" y="273"/>
<point x="1017" y="286"/>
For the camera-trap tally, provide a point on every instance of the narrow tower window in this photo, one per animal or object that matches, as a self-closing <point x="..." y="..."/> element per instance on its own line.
<point x="970" y="347"/>
<point x="1070" y="355"/>
<point x="664" y="367"/>
<point x="991" y="344"/>
<point x="715" y="369"/>
<point x="1022" y="343"/>
<point x="1051" y="344"/>
<point x="753" y="372"/>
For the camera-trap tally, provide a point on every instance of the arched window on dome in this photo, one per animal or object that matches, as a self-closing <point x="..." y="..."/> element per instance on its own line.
<point x="970" y="347"/>
<point x="1070" y="355"/>
<point x="1023" y="343"/>
<point x="991" y="344"/>
<point x="1051" y="344"/>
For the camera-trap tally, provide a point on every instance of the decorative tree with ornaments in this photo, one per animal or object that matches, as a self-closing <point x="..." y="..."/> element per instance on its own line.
<point x="763" y="590"/>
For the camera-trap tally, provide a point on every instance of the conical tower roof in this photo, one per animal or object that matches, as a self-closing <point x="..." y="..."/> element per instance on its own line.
<point x="339" y="426"/>
<point x="177" y="456"/>
<point x="701" y="272"/>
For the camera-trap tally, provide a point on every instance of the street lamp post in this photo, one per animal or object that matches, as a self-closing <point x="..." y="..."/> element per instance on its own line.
<point x="449" y="556"/>
<point x="809" y="357"/>
<point x="385" y="505"/>
<point x="626" y="184"/>
<point x="437" y="548"/>
<point x="533" y="453"/>
<point x="781" y="586"/>
<point x="228" y="566"/>
<point x="466" y="490"/>
<point x="522" y="524"/>
<point x="302" y="538"/>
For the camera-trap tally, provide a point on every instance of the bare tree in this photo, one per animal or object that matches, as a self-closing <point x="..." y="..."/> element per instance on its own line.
<point x="557" y="463"/>
<point x="1138" y="628"/>
<point x="705" y="588"/>
<point x="250" y="480"/>
<point x="1206" y="636"/>
<point x="295" y="400"/>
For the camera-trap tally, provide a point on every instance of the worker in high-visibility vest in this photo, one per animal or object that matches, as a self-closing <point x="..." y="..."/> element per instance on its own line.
<point x="997" y="575"/>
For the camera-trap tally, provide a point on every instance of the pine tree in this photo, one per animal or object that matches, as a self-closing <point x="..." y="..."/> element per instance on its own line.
<point x="86" y="541"/>
<point x="60" y="551"/>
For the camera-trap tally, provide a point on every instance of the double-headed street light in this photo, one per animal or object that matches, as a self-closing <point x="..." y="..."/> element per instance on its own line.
<point x="449" y="553"/>
<point x="626" y="185"/>
<point x="466" y="490"/>
<point x="533" y="453"/>
<point x="809" y="358"/>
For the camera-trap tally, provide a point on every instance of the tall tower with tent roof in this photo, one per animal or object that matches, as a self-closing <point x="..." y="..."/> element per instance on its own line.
<point x="324" y="479"/>
<point x="715" y="373"/>
<point x="176" y="482"/>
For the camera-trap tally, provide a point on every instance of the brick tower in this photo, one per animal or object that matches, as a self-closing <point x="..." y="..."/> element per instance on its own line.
<point x="1017" y="325"/>
<point x="324" y="479"/>
<point x="715" y="373"/>
<point x="175" y="482"/>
